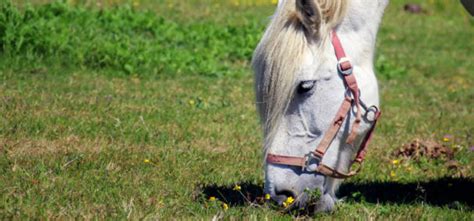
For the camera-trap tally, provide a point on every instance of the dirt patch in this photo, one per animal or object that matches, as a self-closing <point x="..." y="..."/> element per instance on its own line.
<point x="432" y="150"/>
<point x="413" y="8"/>
<point x="425" y="148"/>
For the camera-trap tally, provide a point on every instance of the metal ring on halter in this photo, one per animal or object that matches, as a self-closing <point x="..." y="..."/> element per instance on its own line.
<point x="307" y="165"/>
<point x="339" y="66"/>
<point x="374" y="109"/>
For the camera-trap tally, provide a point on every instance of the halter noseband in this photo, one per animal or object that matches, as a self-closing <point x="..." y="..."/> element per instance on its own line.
<point x="345" y="68"/>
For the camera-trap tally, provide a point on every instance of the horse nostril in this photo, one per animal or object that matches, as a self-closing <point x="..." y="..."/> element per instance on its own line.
<point x="286" y="193"/>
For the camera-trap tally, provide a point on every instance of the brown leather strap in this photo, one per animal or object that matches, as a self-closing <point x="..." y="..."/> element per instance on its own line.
<point x="286" y="160"/>
<point x="363" y="146"/>
<point x="301" y="162"/>
<point x="345" y="66"/>
<point x="338" y="49"/>
<point x="354" y="88"/>
<point x="334" y="127"/>
<point x="328" y="171"/>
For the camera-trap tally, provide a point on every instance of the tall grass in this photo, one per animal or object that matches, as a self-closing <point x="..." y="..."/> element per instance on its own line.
<point x="127" y="39"/>
<point x="121" y="39"/>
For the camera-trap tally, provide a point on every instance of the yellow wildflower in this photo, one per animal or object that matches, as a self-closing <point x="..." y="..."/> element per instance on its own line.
<point x="288" y="201"/>
<point x="447" y="138"/>
<point x="212" y="198"/>
<point x="237" y="188"/>
<point x="146" y="161"/>
<point x="225" y="206"/>
<point x="393" y="174"/>
<point x="191" y="102"/>
<point x="395" y="162"/>
<point x="267" y="196"/>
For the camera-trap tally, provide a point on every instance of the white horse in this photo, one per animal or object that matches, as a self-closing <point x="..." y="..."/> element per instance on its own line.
<point x="315" y="62"/>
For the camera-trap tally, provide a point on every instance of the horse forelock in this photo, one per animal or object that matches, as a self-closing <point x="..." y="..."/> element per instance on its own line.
<point x="280" y="53"/>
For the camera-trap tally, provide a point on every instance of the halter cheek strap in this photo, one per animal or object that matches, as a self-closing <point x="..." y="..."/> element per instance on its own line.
<point x="346" y="70"/>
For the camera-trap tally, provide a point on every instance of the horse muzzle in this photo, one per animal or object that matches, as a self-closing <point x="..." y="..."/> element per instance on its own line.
<point x="283" y="182"/>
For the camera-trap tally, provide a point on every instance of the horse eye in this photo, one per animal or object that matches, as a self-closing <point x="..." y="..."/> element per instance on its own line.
<point x="305" y="86"/>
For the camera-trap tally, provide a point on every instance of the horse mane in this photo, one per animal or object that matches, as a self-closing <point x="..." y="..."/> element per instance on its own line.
<point x="295" y="25"/>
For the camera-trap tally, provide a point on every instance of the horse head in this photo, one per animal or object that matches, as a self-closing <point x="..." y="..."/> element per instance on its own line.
<point x="314" y="119"/>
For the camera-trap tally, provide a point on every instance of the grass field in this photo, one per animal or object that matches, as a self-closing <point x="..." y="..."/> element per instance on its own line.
<point x="145" y="110"/>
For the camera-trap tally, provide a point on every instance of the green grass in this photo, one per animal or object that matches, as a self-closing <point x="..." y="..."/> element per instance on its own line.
<point x="123" y="40"/>
<point x="87" y="93"/>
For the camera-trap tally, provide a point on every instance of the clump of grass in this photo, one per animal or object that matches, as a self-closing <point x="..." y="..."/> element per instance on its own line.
<point x="314" y="195"/>
<point x="121" y="39"/>
<point x="388" y="70"/>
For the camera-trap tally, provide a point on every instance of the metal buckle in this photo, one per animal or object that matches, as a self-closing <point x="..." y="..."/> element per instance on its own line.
<point x="372" y="109"/>
<point x="311" y="167"/>
<point x="339" y="68"/>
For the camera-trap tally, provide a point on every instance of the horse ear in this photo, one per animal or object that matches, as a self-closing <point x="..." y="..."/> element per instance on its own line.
<point x="309" y="15"/>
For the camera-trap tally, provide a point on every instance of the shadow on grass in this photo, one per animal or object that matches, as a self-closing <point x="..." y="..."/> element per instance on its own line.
<point x="249" y="193"/>
<point x="452" y="192"/>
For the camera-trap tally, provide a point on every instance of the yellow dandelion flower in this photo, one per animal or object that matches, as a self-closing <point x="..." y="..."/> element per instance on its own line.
<point x="395" y="162"/>
<point x="146" y="161"/>
<point x="446" y="139"/>
<point x="288" y="201"/>
<point x="191" y="102"/>
<point x="393" y="174"/>
<point x="225" y="206"/>
<point x="212" y="198"/>
<point x="237" y="188"/>
<point x="267" y="196"/>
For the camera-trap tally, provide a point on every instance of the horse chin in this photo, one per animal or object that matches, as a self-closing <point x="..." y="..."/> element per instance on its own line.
<point x="308" y="205"/>
<point x="325" y="204"/>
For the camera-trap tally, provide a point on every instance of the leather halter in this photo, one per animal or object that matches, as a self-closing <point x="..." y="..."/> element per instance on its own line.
<point x="345" y="69"/>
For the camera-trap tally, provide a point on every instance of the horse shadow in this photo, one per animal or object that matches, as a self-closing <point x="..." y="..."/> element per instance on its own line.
<point x="454" y="193"/>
